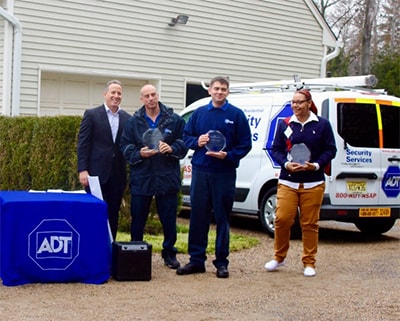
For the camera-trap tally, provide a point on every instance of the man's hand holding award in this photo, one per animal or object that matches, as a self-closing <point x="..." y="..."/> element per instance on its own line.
<point x="151" y="139"/>
<point x="216" y="144"/>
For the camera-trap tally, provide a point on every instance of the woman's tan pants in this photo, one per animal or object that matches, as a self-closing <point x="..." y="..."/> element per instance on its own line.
<point x="308" y="201"/>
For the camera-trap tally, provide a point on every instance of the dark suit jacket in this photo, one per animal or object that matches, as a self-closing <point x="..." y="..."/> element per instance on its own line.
<point x="97" y="153"/>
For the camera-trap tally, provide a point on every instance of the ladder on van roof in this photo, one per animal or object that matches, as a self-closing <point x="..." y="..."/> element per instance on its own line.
<point x="358" y="83"/>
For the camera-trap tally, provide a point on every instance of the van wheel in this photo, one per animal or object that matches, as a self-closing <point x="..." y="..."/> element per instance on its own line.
<point x="375" y="225"/>
<point x="267" y="215"/>
<point x="267" y="211"/>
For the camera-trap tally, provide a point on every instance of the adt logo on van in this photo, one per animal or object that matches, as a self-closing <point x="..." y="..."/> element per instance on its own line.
<point x="391" y="181"/>
<point x="284" y="112"/>
<point x="53" y="244"/>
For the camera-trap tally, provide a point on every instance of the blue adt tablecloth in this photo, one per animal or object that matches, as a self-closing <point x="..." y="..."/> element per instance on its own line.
<point x="53" y="237"/>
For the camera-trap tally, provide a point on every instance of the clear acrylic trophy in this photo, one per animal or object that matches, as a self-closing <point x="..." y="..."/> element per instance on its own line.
<point x="217" y="141"/>
<point x="151" y="138"/>
<point x="300" y="153"/>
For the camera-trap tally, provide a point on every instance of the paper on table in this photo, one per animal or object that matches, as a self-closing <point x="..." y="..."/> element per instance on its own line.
<point x="50" y="190"/>
<point x="80" y="191"/>
<point x="94" y="185"/>
<point x="95" y="190"/>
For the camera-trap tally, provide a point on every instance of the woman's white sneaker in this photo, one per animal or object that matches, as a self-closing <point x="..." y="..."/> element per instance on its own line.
<point x="273" y="265"/>
<point x="309" y="271"/>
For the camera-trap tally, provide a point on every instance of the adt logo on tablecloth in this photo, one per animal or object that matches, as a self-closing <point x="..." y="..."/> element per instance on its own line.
<point x="53" y="244"/>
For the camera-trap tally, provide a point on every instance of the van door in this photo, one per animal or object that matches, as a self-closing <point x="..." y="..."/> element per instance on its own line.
<point x="367" y="139"/>
<point x="390" y="156"/>
<point x="256" y="108"/>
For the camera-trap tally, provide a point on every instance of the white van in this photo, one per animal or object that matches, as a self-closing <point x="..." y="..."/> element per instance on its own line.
<point x="363" y="185"/>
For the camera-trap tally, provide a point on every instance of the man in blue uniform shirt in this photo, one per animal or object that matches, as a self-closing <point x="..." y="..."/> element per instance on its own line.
<point x="212" y="187"/>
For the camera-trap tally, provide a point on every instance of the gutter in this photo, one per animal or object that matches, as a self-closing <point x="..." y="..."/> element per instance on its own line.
<point x="329" y="40"/>
<point x="329" y="57"/>
<point x="16" y="61"/>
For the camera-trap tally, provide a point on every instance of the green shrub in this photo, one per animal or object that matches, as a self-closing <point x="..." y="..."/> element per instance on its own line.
<point x="15" y="142"/>
<point x="39" y="153"/>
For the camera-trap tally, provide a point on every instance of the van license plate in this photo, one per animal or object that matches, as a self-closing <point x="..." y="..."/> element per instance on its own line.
<point x="186" y="199"/>
<point x="374" y="212"/>
<point x="356" y="187"/>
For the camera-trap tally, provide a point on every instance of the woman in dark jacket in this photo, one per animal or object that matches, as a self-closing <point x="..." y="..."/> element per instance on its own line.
<point x="302" y="181"/>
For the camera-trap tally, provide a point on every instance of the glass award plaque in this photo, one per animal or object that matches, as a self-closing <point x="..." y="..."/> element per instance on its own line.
<point x="152" y="138"/>
<point x="300" y="153"/>
<point x="217" y="141"/>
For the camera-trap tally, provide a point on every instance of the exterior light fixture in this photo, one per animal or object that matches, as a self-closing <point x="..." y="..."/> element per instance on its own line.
<point x="181" y="19"/>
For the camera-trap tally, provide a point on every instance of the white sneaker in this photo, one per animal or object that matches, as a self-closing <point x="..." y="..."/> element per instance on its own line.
<point x="273" y="265"/>
<point x="309" y="271"/>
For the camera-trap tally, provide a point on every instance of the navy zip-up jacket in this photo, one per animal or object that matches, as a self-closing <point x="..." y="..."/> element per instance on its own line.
<point x="317" y="136"/>
<point x="160" y="174"/>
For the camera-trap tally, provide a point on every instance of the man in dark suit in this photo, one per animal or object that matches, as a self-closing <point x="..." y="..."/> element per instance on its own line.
<point x="98" y="150"/>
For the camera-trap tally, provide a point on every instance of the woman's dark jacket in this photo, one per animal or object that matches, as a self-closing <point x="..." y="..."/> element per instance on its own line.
<point x="317" y="136"/>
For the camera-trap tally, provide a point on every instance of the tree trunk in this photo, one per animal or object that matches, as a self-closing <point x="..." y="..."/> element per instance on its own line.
<point x="371" y="9"/>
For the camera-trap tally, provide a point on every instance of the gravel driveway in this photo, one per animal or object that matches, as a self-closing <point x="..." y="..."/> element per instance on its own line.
<point x="357" y="279"/>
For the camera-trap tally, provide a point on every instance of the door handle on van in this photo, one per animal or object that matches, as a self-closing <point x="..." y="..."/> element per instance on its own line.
<point x="357" y="175"/>
<point x="394" y="159"/>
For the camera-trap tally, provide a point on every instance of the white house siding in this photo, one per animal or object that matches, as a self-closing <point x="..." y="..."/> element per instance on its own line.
<point x="2" y="24"/>
<point x="82" y="44"/>
<point x="72" y="94"/>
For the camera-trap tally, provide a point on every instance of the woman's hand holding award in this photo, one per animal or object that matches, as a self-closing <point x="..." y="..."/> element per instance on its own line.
<point x="300" y="153"/>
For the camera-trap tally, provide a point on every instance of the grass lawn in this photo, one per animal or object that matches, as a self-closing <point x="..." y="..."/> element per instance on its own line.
<point x="237" y="241"/>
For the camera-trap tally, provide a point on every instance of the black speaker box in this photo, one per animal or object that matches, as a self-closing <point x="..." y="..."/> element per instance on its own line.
<point x="131" y="261"/>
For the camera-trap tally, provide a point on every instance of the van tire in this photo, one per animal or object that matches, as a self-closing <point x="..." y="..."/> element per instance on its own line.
<point x="375" y="225"/>
<point x="267" y="211"/>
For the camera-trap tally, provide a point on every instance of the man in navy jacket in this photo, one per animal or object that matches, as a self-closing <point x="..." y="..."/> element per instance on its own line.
<point x="155" y="170"/>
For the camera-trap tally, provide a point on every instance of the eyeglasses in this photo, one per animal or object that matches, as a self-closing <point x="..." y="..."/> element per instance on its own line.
<point x="299" y="102"/>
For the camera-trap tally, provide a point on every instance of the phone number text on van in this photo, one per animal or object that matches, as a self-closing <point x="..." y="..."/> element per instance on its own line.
<point x="356" y="195"/>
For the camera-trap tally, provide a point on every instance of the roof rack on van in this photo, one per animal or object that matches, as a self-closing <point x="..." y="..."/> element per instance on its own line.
<point x="349" y="83"/>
